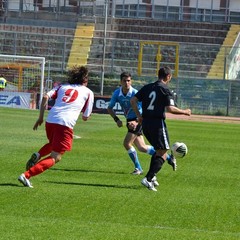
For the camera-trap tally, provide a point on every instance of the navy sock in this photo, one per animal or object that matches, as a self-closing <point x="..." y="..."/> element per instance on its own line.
<point x="155" y="166"/>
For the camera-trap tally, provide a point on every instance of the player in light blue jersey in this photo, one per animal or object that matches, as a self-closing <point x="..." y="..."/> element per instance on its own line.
<point x="134" y="136"/>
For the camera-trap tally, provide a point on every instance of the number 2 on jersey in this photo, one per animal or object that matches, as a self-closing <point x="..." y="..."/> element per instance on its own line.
<point x="152" y="96"/>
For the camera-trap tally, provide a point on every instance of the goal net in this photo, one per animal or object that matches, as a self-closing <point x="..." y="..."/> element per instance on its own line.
<point x="25" y="77"/>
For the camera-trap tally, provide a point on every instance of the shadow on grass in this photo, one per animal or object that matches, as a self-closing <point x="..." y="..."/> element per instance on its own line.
<point x="84" y="170"/>
<point x="10" y="185"/>
<point x="96" y="185"/>
<point x="77" y="184"/>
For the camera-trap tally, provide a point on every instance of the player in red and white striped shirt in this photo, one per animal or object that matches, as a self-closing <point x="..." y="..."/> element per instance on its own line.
<point x="70" y="100"/>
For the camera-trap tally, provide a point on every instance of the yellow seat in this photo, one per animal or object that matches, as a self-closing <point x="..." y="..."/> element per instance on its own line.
<point x="81" y="45"/>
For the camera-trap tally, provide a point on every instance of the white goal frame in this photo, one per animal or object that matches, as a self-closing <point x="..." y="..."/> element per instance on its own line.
<point x="40" y="60"/>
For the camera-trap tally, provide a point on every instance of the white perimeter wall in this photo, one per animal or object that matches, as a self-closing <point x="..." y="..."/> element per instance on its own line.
<point x="234" y="5"/>
<point x="27" y="5"/>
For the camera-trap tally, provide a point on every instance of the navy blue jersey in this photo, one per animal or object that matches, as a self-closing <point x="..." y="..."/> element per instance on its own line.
<point x="155" y="97"/>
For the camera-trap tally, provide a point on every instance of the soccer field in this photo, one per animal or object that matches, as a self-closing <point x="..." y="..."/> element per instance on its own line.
<point x="91" y="194"/>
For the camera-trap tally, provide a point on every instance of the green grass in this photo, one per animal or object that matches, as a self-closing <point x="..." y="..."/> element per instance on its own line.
<point x="91" y="195"/>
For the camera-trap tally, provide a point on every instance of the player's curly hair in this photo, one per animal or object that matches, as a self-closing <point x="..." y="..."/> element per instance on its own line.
<point x="77" y="75"/>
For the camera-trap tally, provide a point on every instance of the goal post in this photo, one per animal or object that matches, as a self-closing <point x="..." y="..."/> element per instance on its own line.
<point x="24" y="74"/>
<point x="154" y="54"/>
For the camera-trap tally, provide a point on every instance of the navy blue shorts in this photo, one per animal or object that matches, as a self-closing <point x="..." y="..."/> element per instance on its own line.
<point x="137" y="131"/>
<point x="155" y="130"/>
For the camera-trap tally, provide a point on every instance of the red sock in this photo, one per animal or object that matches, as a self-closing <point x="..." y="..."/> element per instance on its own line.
<point x="40" y="167"/>
<point x="45" y="150"/>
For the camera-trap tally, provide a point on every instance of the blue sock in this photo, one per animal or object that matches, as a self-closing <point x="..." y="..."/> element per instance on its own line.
<point x="150" y="150"/>
<point x="168" y="157"/>
<point x="134" y="157"/>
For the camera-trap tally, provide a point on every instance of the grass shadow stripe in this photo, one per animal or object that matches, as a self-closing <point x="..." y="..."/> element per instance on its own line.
<point x="96" y="185"/>
<point x="10" y="185"/>
<point x="85" y="170"/>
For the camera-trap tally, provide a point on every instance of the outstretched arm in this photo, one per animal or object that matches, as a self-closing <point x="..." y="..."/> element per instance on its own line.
<point x="176" y="110"/>
<point x="41" y="113"/>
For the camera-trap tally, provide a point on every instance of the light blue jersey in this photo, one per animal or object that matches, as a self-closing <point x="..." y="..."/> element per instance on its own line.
<point x="124" y="101"/>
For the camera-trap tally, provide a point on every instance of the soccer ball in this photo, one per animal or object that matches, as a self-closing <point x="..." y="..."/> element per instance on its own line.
<point x="179" y="150"/>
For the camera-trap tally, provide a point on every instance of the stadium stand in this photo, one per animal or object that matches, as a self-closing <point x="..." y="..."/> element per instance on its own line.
<point x="216" y="70"/>
<point x="81" y="44"/>
<point x="50" y="42"/>
<point x="193" y="32"/>
<point x="60" y="45"/>
<point x="195" y="38"/>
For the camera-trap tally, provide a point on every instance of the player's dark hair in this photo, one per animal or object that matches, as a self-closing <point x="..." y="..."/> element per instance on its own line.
<point x="77" y="75"/>
<point x="125" y="75"/>
<point x="164" y="72"/>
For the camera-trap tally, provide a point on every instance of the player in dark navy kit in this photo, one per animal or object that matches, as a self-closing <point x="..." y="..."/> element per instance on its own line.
<point x="134" y="136"/>
<point x="156" y="98"/>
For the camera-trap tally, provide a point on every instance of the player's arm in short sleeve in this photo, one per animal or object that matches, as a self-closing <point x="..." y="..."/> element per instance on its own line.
<point x="52" y="94"/>
<point x="110" y="107"/>
<point x="87" y="109"/>
<point x="113" y="100"/>
<point x="171" y="108"/>
<point x="42" y="109"/>
<point x="135" y="105"/>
